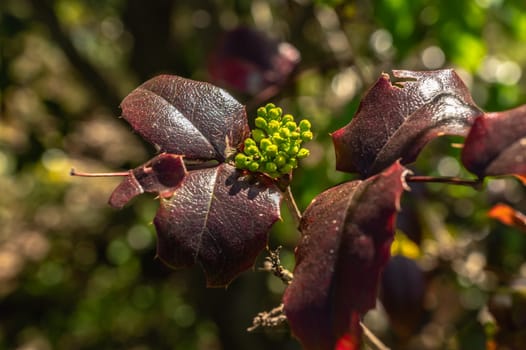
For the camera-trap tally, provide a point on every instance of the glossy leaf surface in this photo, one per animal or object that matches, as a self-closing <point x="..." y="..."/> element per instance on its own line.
<point x="496" y="144"/>
<point x="161" y="174"/>
<point x="216" y="218"/>
<point x="396" y="121"/>
<point x="191" y="118"/>
<point x="346" y="236"/>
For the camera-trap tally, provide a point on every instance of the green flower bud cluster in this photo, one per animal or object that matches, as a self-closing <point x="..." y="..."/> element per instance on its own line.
<point x="275" y="145"/>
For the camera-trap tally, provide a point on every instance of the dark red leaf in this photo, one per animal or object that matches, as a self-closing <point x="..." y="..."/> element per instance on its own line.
<point x="508" y="216"/>
<point x="249" y="61"/>
<point x="219" y="219"/>
<point x="496" y="144"/>
<point x="191" y="118"/>
<point x="346" y="237"/>
<point x="162" y="174"/>
<point x="396" y="121"/>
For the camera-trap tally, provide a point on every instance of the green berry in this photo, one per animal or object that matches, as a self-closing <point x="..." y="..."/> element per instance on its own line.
<point x="305" y="125"/>
<point x="303" y="153"/>
<point x="261" y="123"/>
<point x="306" y="136"/>
<point x="258" y="135"/>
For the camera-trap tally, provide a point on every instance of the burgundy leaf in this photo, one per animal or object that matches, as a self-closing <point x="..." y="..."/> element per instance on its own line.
<point x="219" y="219"/>
<point x="496" y="144"/>
<point x="396" y="121"/>
<point x="162" y="174"/>
<point x="191" y="118"/>
<point x="346" y="236"/>
<point x="249" y="61"/>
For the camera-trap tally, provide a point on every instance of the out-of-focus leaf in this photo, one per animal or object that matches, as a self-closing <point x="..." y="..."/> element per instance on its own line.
<point x="508" y="216"/>
<point x="249" y="61"/>
<point x="346" y="236"/>
<point x="219" y="219"/>
<point x="161" y="174"/>
<point x="402" y="295"/>
<point x="396" y="121"/>
<point x="496" y="144"/>
<point x="191" y="118"/>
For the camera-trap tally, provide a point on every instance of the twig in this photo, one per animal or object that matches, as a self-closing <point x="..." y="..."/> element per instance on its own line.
<point x="474" y="183"/>
<point x="292" y="206"/>
<point x="372" y="339"/>
<point x="273" y="264"/>
<point x="269" y="319"/>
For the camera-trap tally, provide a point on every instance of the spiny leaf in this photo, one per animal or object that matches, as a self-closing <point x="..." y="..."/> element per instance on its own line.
<point x="396" y="121"/>
<point x="496" y="144"/>
<point x="219" y="219"/>
<point x="346" y="234"/>
<point x="191" y="118"/>
<point x="161" y="174"/>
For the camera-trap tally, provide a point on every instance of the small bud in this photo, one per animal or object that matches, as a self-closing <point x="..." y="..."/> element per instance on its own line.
<point x="295" y="135"/>
<point x="269" y="106"/>
<point x="264" y="143"/>
<point x="306" y="136"/>
<point x="273" y="126"/>
<point x="258" y="135"/>
<point x="272" y="150"/>
<point x="253" y="166"/>
<point x="261" y="123"/>
<point x="293" y="162"/>
<point x="270" y="167"/>
<point x="241" y="160"/>
<point x="280" y="160"/>
<point x="249" y="142"/>
<point x="303" y="153"/>
<point x="252" y="150"/>
<point x="285" y="169"/>
<point x="293" y="150"/>
<point x="262" y="112"/>
<point x="275" y="113"/>
<point x="287" y="118"/>
<point x="284" y="132"/>
<point x="305" y="125"/>
<point x="276" y="137"/>
<point x="292" y="126"/>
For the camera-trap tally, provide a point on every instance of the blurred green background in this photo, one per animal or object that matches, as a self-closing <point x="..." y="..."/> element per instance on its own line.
<point x="76" y="274"/>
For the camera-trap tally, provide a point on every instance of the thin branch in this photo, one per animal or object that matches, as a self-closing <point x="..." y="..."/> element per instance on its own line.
<point x="273" y="264"/>
<point x="372" y="339"/>
<point x="292" y="206"/>
<point x="269" y="319"/>
<point x="73" y="172"/>
<point x="475" y="183"/>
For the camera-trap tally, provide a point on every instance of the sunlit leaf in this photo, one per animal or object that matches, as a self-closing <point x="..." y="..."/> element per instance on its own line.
<point x="496" y="144"/>
<point x="396" y="121"/>
<point x="346" y="236"/>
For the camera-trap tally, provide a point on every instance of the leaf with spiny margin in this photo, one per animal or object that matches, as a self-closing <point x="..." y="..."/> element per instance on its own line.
<point x="346" y="236"/>
<point x="161" y="174"/>
<point x="397" y="121"/>
<point x="194" y="119"/>
<point x="218" y="218"/>
<point x="496" y="144"/>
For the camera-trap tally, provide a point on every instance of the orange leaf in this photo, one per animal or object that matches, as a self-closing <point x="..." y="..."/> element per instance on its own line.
<point x="508" y="216"/>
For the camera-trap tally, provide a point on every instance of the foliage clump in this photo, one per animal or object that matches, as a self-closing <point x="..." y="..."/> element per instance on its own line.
<point x="276" y="143"/>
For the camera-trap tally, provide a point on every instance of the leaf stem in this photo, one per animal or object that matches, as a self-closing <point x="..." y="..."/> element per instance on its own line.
<point x="373" y="339"/>
<point x="73" y="172"/>
<point x="292" y="206"/>
<point x="475" y="183"/>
